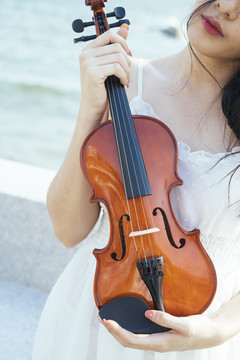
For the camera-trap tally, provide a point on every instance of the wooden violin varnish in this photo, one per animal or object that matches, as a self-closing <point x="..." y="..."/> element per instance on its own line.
<point x="150" y="261"/>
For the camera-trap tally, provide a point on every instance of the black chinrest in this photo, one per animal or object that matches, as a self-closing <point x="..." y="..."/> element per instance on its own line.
<point x="128" y="312"/>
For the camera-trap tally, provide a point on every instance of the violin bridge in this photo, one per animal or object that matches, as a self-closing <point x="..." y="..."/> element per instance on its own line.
<point x="144" y="232"/>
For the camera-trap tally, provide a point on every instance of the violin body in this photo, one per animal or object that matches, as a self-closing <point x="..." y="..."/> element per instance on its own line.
<point x="189" y="281"/>
<point x="150" y="261"/>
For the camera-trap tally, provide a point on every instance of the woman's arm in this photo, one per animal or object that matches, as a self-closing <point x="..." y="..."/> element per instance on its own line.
<point x="188" y="333"/>
<point x="68" y="197"/>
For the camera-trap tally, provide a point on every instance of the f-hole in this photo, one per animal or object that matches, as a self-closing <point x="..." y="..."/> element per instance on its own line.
<point x="122" y="238"/>
<point x="168" y="229"/>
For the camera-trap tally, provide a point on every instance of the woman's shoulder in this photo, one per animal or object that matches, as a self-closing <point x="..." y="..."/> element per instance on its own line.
<point x="151" y="70"/>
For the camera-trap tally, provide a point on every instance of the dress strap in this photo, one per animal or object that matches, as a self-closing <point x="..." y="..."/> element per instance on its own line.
<point x="140" y="78"/>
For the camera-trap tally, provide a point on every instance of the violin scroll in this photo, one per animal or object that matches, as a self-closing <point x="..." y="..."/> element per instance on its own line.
<point x="95" y="4"/>
<point x="99" y="20"/>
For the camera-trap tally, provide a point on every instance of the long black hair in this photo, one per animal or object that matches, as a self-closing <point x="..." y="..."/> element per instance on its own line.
<point x="230" y="98"/>
<point x="230" y="92"/>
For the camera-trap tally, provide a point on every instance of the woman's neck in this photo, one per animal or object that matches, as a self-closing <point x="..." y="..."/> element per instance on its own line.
<point x="203" y="69"/>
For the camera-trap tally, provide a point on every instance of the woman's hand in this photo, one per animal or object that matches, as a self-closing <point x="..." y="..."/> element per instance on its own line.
<point x="72" y="214"/>
<point x="105" y="56"/>
<point x="188" y="333"/>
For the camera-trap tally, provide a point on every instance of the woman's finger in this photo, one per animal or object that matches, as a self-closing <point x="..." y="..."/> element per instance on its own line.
<point x="100" y="73"/>
<point x="123" y="31"/>
<point x="107" y="50"/>
<point x="109" y="37"/>
<point x="166" y="320"/>
<point x="125" y="337"/>
<point x="112" y="59"/>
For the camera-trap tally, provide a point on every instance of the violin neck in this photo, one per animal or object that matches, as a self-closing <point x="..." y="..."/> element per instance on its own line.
<point x="133" y="169"/>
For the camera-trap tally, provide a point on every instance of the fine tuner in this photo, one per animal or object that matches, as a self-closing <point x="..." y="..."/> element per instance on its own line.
<point x="78" y="25"/>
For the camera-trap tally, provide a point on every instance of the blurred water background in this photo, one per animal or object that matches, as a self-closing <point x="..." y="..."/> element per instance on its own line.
<point x="39" y="72"/>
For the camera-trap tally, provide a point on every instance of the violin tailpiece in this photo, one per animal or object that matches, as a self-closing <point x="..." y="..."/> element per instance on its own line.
<point x="151" y="271"/>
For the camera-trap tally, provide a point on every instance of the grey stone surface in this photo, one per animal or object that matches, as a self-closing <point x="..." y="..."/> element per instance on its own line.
<point x="31" y="258"/>
<point x="20" y="309"/>
<point x="29" y="252"/>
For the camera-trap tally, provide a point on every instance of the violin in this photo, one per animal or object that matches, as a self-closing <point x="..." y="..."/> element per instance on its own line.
<point x="130" y="165"/>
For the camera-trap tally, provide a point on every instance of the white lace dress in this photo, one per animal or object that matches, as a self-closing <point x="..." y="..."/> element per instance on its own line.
<point x="69" y="329"/>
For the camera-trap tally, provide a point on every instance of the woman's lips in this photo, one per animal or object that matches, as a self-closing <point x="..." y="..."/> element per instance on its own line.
<point x="212" y="26"/>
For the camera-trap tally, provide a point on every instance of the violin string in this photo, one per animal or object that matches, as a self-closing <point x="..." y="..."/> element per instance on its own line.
<point x="123" y="101"/>
<point x="127" y="165"/>
<point x="134" y="240"/>
<point x="150" y="212"/>
<point x="117" y="93"/>
<point x="102" y="30"/>
<point x="111" y="99"/>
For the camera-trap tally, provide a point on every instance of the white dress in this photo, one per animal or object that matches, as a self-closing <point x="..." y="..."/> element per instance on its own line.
<point x="69" y="329"/>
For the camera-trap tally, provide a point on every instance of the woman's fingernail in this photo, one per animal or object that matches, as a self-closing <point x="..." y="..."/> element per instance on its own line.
<point x="106" y="323"/>
<point x="149" y="314"/>
<point x="125" y="26"/>
<point x="129" y="52"/>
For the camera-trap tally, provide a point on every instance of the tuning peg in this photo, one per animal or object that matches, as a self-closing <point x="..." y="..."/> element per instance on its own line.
<point x="84" y="38"/>
<point x="119" y="23"/>
<point x="78" y="25"/>
<point x="119" y="12"/>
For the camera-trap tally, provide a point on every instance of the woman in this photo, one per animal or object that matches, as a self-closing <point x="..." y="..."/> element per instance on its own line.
<point x="196" y="94"/>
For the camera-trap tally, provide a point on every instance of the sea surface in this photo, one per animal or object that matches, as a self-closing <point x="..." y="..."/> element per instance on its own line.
<point x="39" y="72"/>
